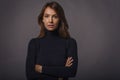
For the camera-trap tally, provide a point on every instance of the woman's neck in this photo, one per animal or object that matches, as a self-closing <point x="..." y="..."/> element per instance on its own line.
<point x="51" y="33"/>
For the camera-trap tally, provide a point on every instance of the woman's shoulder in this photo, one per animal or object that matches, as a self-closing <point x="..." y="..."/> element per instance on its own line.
<point x="72" y="40"/>
<point x="34" y="40"/>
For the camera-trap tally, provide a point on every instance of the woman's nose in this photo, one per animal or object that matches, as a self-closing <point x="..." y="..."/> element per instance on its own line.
<point x="50" y="19"/>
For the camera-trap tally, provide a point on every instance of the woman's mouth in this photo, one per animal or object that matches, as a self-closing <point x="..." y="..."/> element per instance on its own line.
<point x="51" y="26"/>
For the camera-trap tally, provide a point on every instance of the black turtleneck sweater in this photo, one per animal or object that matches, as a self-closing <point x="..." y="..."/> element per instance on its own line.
<point x="51" y="52"/>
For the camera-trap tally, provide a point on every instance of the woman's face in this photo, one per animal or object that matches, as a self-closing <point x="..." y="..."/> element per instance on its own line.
<point x="50" y="19"/>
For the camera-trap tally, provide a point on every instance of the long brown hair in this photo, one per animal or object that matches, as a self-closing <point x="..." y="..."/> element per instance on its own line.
<point x="63" y="25"/>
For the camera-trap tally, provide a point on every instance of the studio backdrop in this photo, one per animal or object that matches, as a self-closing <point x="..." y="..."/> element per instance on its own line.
<point x="95" y="24"/>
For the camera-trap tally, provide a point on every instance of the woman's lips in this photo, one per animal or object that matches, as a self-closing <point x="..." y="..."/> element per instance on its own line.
<point x="51" y="26"/>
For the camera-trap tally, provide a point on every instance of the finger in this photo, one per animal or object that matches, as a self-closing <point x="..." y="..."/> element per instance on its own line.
<point x="69" y="65"/>
<point x="37" y="67"/>
<point x="70" y="61"/>
<point x="69" y="58"/>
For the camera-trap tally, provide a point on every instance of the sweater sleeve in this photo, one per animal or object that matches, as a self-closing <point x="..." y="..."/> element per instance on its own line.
<point x="30" y="61"/>
<point x="62" y="71"/>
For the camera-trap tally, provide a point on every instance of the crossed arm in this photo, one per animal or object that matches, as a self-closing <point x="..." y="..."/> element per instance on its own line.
<point x="33" y="70"/>
<point x="70" y="67"/>
<point x="38" y="68"/>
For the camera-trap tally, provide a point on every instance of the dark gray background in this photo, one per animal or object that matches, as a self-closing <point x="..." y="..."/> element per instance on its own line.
<point x="93" y="23"/>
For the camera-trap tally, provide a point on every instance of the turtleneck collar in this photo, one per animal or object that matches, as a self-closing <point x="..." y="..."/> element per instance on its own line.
<point x="51" y="33"/>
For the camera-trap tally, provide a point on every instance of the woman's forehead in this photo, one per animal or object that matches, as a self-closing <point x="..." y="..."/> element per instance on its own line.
<point x="50" y="11"/>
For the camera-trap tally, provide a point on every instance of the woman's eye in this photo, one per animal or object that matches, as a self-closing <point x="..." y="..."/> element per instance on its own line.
<point x="55" y="16"/>
<point x="46" y="16"/>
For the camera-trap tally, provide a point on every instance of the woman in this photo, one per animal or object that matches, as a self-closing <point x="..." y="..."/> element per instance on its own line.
<point x="52" y="55"/>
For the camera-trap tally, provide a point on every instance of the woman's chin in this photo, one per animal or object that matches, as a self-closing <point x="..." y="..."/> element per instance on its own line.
<point x="51" y="29"/>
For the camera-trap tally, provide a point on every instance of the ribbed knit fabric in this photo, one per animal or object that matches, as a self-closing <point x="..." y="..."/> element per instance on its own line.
<point x="51" y="52"/>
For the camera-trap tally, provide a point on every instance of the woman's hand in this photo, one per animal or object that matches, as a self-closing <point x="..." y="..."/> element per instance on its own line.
<point x="69" y="62"/>
<point x="38" y="68"/>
